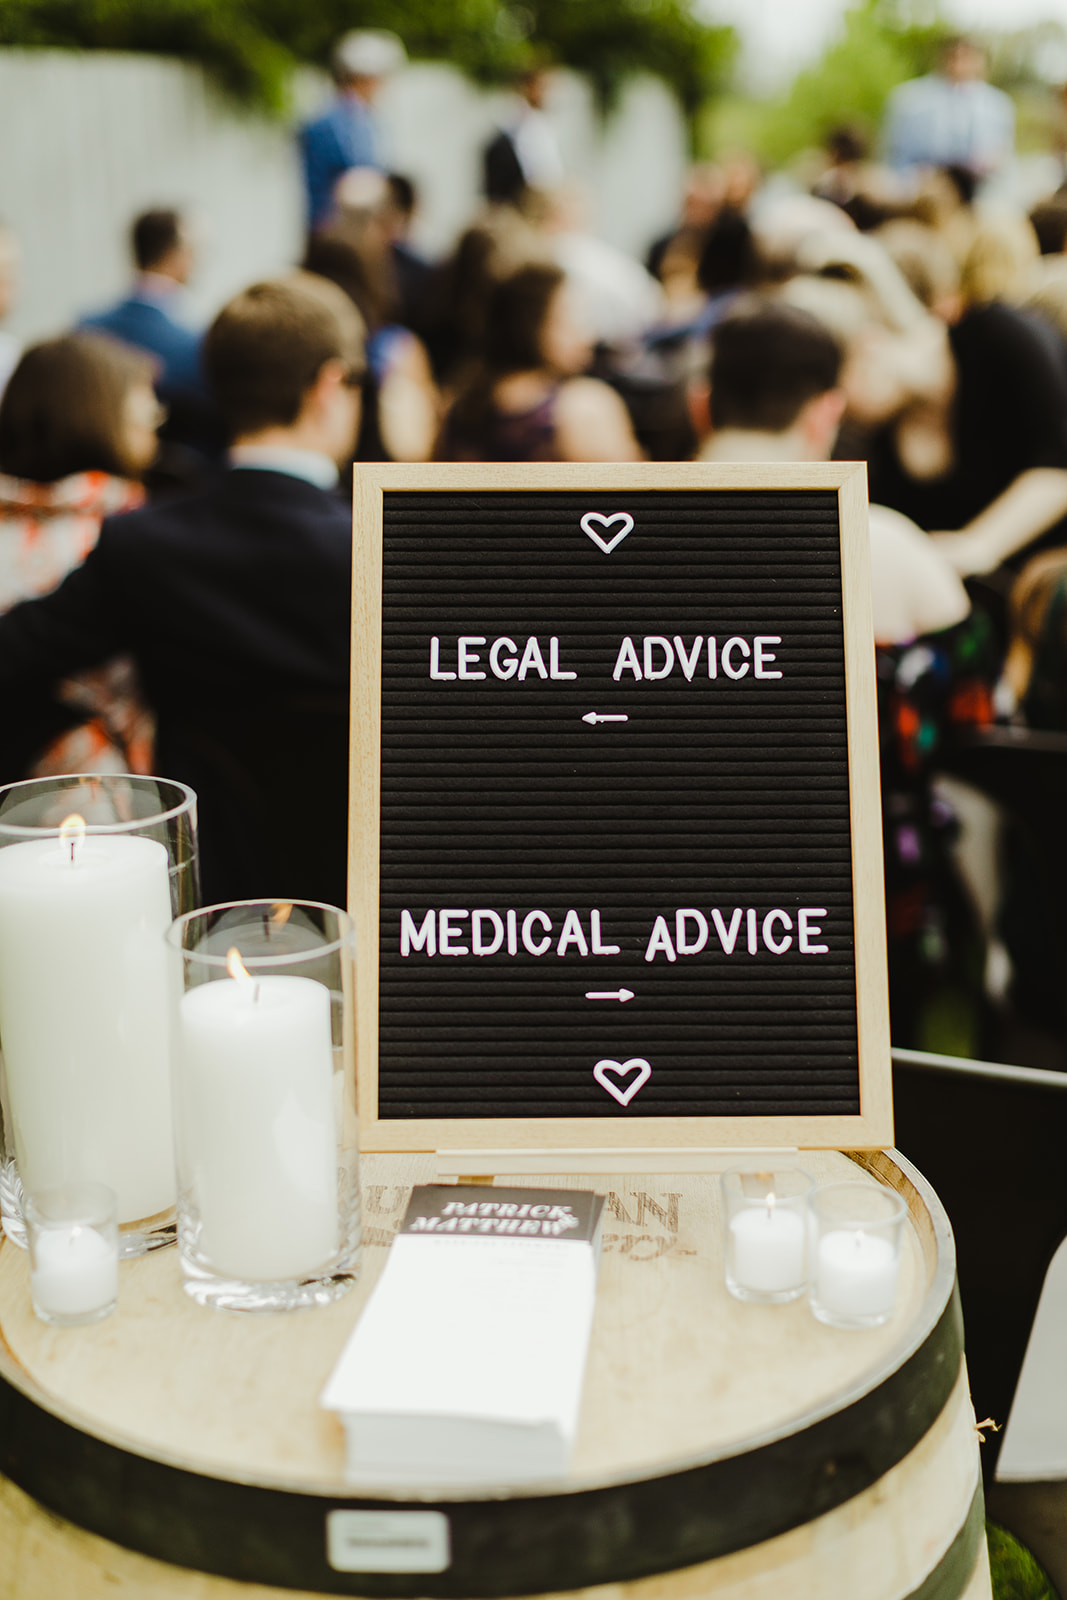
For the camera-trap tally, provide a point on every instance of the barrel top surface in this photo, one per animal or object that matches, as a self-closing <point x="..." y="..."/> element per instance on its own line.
<point x="678" y="1371"/>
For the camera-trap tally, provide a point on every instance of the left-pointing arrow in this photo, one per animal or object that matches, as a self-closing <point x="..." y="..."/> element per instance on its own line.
<point x="609" y="994"/>
<point x="605" y="716"/>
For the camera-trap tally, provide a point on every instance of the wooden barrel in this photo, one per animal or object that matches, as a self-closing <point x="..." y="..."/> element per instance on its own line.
<point x="736" y="1450"/>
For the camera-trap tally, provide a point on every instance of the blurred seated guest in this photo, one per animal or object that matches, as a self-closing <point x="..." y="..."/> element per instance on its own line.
<point x="401" y="411"/>
<point x="148" y="318"/>
<point x="346" y="135"/>
<point x="896" y="350"/>
<point x="1049" y="222"/>
<point x="983" y="460"/>
<point x="412" y="273"/>
<point x="944" y="202"/>
<point x="484" y="253"/>
<point x="77" y="431"/>
<point x="525" y="399"/>
<point x="524" y="153"/>
<point x="619" y="299"/>
<point x="9" y="346"/>
<point x="865" y="191"/>
<point x="1033" y="688"/>
<point x="775" y="395"/>
<point x="673" y="257"/>
<point x="951" y="117"/>
<point x="927" y="263"/>
<point x="234" y="601"/>
<point x="729" y="264"/>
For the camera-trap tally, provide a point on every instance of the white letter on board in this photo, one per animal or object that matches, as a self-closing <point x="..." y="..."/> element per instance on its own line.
<point x="468" y="657"/>
<point x="435" y="661"/>
<point x="727" y="936"/>
<point x="627" y="661"/>
<point x="652" y="672"/>
<point x="688" y="662"/>
<point x="532" y="661"/>
<point x="660" y="940"/>
<point x="713" y="671"/>
<point x="536" y="947"/>
<point x="763" y="656"/>
<point x="681" y="941"/>
<point x="511" y="666"/>
<point x="446" y="933"/>
<point x="753" y="942"/>
<point x="807" y="931"/>
<point x="554" y="668"/>
<point x="478" y="944"/>
<point x="572" y="933"/>
<point x="513" y="935"/>
<point x="727" y="665"/>
<point x="412" y="938"/>
<point x="599" y="947"/>
<point x="780" y="946"/>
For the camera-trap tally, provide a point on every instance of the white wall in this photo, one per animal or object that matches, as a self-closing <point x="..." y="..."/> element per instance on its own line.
<point x="86" y="141"/>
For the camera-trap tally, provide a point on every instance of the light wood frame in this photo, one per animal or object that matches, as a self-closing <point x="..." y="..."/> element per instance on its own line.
<point x="873" y="1127"/>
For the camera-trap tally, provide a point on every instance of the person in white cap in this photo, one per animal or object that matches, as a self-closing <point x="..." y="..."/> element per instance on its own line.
<point x="346" y="136"/>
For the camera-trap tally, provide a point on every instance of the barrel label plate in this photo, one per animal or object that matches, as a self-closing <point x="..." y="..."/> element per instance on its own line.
<point x="388" y="1541"/>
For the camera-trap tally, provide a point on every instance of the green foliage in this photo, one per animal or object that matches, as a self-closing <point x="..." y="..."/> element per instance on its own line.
<point x="249" y="46"/>
<point x="882" y="43"/>
<point x="223" y="35"/>
<point x="1015" y="1573"/>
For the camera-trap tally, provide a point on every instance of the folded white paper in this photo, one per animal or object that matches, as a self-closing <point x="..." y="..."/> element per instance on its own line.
<point x="467" y="1363"/>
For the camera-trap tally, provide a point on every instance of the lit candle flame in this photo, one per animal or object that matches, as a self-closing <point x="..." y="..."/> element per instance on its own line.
<point x="281" y="914"/>
<point x="237" y="970"/>
<point x="236" y="967"/>
<point x="72" y="832"/>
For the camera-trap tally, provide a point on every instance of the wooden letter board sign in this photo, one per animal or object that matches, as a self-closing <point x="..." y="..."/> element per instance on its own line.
<point x="616" y="845"/>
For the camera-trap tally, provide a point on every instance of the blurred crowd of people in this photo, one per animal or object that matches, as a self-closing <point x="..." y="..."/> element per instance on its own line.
<point x="174" y="537"/>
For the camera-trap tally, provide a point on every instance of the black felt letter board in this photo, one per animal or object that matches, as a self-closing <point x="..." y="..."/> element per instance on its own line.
<point x="709" y="831"/>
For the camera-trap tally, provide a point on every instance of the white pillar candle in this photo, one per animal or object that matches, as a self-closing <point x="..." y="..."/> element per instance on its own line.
<point x="856" y="1273"/>
<point x="768" y="1248"/>
<point x="84" y="1015"/>
<point x="75" y="1270"/>
<point x="257" y="1126"/>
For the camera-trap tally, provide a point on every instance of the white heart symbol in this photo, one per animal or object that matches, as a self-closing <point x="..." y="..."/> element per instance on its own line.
<point x="607" y="545"/>
<point x="605" y="1071"/>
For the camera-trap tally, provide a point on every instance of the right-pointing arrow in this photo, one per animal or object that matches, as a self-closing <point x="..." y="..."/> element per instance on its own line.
<point x="610" y="994"/>
<point x="605" y="716"/>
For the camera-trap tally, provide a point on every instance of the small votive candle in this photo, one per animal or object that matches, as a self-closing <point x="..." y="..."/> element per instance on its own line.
<point x="73" y="1239"/>
<point x="765" y="1216"/>
<point x="858" y="1236"/>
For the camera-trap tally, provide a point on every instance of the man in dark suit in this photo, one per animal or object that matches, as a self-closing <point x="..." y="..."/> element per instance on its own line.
<point x="146" y="318"/>
<point x="234" y="600"/>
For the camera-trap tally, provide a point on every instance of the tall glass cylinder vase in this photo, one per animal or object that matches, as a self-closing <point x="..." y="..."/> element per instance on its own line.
<point x="92" y="870"/>
<point x="265" y="1104"/>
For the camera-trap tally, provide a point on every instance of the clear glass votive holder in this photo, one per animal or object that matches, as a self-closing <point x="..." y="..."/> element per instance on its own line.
<point x="73" y="1239"/>
<point x="92" y="871"/>
<point x="766" y="1234"/>
<point x="858" y="1234"/>
<point x="265" y="1104"/>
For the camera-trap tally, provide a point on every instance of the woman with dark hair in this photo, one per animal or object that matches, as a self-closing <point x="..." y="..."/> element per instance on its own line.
<point x="78" y="424"/>
<point x="524" y="399"/>
<point x="401" y="407"/>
